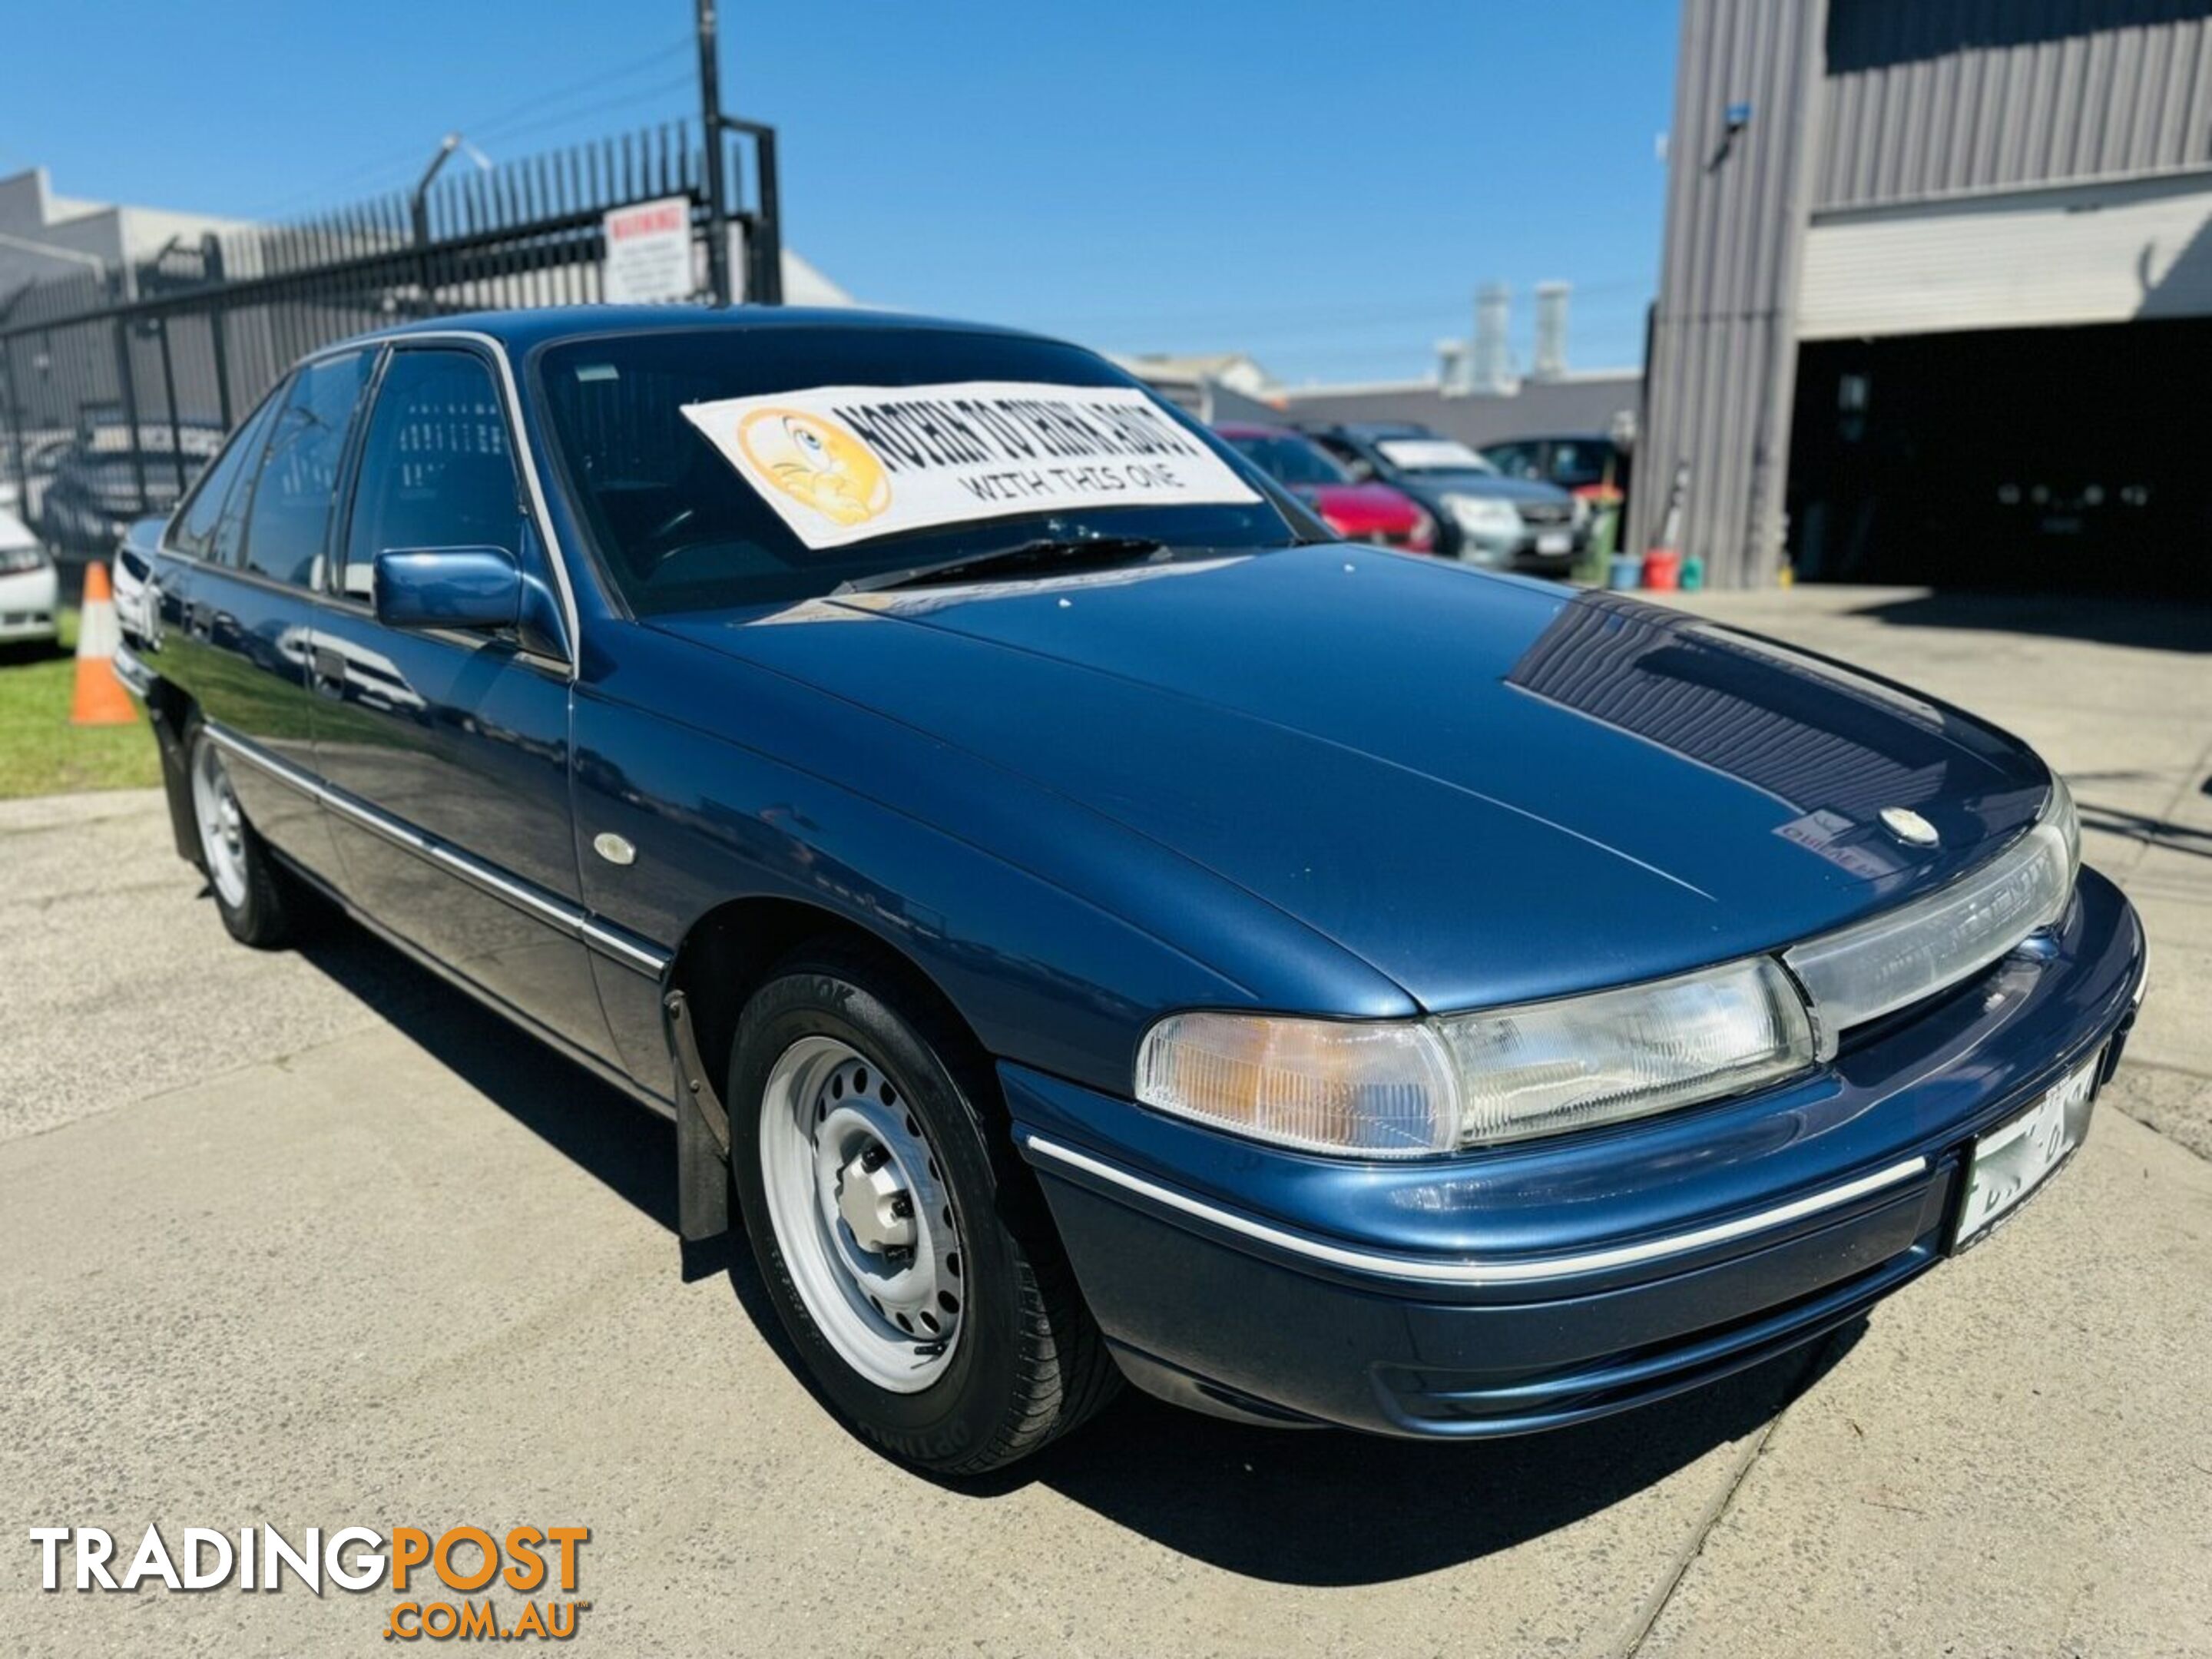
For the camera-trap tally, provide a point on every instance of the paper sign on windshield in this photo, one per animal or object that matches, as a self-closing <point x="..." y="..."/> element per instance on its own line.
<point x="846" y="464"/>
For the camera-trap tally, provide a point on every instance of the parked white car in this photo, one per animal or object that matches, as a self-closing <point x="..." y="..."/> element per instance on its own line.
<point x="30" y="597"/>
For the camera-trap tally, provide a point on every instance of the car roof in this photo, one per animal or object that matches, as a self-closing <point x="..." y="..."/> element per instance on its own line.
<point x="523" y="331"/>
<point x="1376" y="428"/>
<point x="1252" y="429"/>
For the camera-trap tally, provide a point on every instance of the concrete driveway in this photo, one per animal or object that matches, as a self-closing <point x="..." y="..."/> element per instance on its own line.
<point x="308" y="1239"/>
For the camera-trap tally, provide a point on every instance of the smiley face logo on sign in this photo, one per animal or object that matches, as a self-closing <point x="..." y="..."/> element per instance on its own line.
<point x="815" y="462"/>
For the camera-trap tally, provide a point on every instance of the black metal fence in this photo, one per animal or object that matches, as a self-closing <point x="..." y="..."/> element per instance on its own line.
<point x="115" y="387"/>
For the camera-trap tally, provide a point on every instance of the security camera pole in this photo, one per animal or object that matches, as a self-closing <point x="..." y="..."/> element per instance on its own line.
<point x="710" y="124"/>
<point x="763" y="221"/>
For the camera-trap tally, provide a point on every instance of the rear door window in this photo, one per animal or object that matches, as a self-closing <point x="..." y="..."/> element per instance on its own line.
<point x="288" y="523"/>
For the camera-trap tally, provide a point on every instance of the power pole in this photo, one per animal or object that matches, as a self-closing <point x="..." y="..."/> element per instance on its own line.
<point x="710" y="123"/>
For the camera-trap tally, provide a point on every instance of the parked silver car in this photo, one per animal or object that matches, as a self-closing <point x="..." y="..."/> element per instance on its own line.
<point x="1482" y="516"/>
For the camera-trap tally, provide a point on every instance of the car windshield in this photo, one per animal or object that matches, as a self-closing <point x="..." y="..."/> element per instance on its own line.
<point x="1289" y="459"/>
<point x="1431" y="455"/>
<point x="721" y="468"/>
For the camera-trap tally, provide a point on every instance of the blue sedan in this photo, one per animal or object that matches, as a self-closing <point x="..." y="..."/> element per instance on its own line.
<point x="1088" y="926"/>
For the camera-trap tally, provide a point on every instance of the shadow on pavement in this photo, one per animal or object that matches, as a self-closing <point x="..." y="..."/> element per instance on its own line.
<point x="2151" y="624"/>
<point x="23" y="652"/>
<point x="2150" y="831"/>
<point x="1285" y="1506"/>
<point x="1327" y="1508"/>
<point x="627" y="1146"/>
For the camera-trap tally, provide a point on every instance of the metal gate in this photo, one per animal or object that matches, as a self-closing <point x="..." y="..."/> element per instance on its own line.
<point x="116" y="387"/>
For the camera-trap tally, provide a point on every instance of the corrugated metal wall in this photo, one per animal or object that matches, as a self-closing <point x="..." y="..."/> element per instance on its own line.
<point x="1926" y="97"/>
<point x="2103" y="253"/>
<point x="1723" y="335"/>
<point x="1857" y="104"/>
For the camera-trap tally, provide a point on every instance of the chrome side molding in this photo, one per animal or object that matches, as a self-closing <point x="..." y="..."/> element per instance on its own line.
<point x="1429" y="1271"/>
<point x="612" y="942"/>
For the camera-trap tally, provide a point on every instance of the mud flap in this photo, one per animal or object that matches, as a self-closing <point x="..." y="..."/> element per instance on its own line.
<point x="176" y="776"/>
<point x="702" y="1132"/>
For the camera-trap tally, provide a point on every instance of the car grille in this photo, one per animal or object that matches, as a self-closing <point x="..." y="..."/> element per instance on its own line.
<point x="1546" y="514"/>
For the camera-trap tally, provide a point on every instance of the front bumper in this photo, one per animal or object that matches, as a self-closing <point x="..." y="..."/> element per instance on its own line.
<point x="1519" y="552"/>
<point x="1540" y="1284"/>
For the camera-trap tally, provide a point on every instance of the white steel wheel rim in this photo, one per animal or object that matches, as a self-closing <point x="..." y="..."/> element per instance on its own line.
<point x="861" y="1214"/>
<point x="223" y="826"/>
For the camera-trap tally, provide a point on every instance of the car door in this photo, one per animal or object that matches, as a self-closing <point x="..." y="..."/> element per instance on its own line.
<point x="448" y="750"/>
<point x="244" y="609"/>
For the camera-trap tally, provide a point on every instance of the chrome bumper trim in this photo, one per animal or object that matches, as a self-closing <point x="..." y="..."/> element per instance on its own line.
<point x="137" y="678"/>
<point x="1427" y="1270"/>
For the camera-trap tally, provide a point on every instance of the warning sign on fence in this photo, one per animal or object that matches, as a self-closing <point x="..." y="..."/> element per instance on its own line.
<point x="648" y="253"/>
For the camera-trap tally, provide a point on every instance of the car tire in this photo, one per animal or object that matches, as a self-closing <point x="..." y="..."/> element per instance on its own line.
<point x="253" y="894"/>
<point x="953" y="1336"/>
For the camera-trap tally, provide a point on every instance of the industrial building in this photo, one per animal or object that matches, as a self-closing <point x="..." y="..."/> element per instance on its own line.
<point x="1936" y="282"/>
<point x="1476" y="395"/>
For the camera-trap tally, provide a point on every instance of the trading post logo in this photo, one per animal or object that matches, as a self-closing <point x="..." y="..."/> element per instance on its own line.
<point x="816" y="463"/>
<point x="434" y="1577"/>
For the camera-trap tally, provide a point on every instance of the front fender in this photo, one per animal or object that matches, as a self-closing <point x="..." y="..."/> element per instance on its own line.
<point x="1057" y="934"/>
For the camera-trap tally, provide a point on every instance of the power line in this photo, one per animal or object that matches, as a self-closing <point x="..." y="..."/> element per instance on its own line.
<point x="489" y="124"/>
<point x="624" y="100"/>
<point x="394" y="161"/>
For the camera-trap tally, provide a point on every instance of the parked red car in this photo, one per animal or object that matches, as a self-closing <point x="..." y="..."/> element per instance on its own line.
<point x="1358" y="512"/>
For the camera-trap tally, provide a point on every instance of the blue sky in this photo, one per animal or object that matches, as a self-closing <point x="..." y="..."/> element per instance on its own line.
<point x="1323" y="186"/>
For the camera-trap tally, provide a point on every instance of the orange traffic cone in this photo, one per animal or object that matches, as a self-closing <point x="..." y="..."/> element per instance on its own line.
<point x="101" y="699"/>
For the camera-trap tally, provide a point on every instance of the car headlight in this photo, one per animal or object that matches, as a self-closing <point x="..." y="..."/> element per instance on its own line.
<point x="2060" y="813"/>
<point x="1416" y="1088"/>
<point x="1597" y="1059"/>
<point x="14" y="561"/>
<point x="1482" y="515"/>
<point x="1897" y="956"/>
<point x="1378" y="1089"/>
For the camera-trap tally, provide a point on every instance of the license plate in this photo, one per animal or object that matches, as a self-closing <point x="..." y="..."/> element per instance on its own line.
<point x="2018" y="1156"/>
<point x="1555" y="541"/>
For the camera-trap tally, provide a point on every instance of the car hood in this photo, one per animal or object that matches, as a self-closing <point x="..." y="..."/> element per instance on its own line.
<point x="1487" y="789"/>
<point x="1492" y="485"/>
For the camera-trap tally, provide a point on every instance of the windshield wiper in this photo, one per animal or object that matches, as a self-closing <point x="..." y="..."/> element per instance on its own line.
<point x="1047" y="551"/>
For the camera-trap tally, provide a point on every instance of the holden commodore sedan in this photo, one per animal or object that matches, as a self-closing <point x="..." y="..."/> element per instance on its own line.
<point x="1087" y="927"/>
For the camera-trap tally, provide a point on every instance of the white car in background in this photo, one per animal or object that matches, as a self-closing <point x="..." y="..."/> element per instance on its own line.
<point x="30" y="593"/>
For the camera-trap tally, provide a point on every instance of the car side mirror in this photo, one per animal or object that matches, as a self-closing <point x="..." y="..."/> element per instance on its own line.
<point x="1362" y="470"/>
<point x="468" y="587"/>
